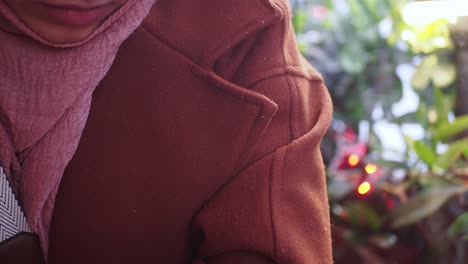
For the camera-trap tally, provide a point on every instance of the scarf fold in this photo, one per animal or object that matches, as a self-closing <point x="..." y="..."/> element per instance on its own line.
<point x="45" y="98"/>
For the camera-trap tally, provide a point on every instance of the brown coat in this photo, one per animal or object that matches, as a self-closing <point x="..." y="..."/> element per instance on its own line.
<point x="202" y="146"/>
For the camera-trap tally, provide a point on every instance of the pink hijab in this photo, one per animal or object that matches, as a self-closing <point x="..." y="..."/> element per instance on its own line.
<point x="45" y="97"/>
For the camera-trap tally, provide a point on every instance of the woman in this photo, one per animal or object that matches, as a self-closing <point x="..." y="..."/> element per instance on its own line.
<point x="168" y="131"/>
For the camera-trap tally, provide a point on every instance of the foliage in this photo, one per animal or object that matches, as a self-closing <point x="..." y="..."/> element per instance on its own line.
<point x="353" y="38"/>
<point x="358" y="45"/>
<point x="459" y="227"/>
<point x="424" y="204"/>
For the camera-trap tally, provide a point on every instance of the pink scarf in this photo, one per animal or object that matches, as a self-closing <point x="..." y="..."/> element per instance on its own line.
<point x="45" y="97"/>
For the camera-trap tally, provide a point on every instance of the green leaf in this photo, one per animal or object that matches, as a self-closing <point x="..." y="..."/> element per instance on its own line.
<point x="431" y="37"/>
<point x="465" y="152"/>
<point x="444" y="160"/>
<point x="299" y="21"/>
<point x="424" y="72"/>
<point x="447" y="130"/>
<point x="444" y="75"/>
<point x="459" y="227"/>
<point x="424" y="153"/>
<point x="353" y="58"/>
<point x="441" y="107"/>
<point x="424" y="204"/>
<point x="362" y="19"/>
<point x="409" y="142"/>
<point x="361" y="214"/>
<point x="302" y="47"/>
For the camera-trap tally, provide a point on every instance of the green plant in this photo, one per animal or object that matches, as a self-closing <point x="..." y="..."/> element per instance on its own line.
<point x="359" y="63"/>
<point x="359" y="58"/>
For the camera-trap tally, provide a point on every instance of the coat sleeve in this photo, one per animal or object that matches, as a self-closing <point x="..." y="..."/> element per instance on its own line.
<point x="275" y="210"/>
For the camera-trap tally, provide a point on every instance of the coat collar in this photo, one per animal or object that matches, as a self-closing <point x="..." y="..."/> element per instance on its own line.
<point x="210" y="30"/>
<point x="201" y="37"/>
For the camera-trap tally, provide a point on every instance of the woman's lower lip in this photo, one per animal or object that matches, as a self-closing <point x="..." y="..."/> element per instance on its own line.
<point x="75" y="16"/>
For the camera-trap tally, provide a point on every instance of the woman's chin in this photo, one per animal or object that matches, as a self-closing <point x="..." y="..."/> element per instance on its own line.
<point x="62" y="35"/>
<point x="61" y="23"/>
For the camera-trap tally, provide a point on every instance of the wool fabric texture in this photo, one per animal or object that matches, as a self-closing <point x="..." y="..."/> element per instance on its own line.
<point x="45" y="97"/>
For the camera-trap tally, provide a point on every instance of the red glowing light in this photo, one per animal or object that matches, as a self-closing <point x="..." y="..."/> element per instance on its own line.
<point x="370" y="168"/>
<point x="364" y="188"/>
<point x="353" y="160"/>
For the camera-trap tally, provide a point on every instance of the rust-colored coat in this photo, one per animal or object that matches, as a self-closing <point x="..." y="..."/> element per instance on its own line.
<point x="202" y="146"/>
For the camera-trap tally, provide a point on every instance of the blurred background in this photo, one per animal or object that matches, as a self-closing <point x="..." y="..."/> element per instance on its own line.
<point x="397" y="150"/>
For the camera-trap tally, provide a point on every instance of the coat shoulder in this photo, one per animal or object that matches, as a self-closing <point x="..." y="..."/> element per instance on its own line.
<point x="203" y="30"/>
